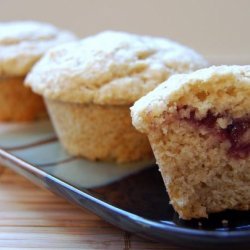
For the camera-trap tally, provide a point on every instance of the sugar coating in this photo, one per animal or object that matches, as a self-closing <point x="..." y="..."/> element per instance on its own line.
<point x="110" y="68"/>
<point x="22" y="43"/>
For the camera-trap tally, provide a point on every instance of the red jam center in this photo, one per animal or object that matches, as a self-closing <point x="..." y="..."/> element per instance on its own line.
<point x="238" y="132"/>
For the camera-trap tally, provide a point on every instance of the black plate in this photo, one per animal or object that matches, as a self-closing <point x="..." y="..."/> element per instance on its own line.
<point x="131" y="197"/>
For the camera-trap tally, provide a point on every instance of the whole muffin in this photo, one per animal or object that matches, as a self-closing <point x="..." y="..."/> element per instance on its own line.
<point x="22" y="43"/>
<point x="199" y="128"/>
<point x="90" y="85"/>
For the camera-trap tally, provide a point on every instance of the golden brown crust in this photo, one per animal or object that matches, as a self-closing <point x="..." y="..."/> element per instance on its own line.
<point x="19" y="103"/>
<point x="98" y="132"/>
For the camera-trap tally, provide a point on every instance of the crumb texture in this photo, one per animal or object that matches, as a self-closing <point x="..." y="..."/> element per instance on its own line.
<point x="199" y="175"/>
<point x="112" y="68"/>
<point x="23" y="43"/>
<point x="198" y="127"/>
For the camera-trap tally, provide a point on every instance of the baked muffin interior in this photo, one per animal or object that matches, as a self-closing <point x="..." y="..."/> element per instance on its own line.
<point x="200" y="133"/>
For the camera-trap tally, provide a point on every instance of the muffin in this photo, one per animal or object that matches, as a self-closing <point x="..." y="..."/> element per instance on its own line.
<point x="90" y="85"/>
<point x="21" y="45"/>
<point x="198" y="125"/>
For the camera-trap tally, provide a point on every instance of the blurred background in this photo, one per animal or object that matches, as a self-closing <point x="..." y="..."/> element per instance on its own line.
<point x="219" y="29"/>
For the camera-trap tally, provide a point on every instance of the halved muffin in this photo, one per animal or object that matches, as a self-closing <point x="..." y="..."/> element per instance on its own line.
<point x="198" y="125"/>
<point x="22" y="43"/>
<point x="89" y="86"/>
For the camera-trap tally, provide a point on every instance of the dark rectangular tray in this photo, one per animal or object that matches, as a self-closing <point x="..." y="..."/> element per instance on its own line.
<point x="129" y="196"/>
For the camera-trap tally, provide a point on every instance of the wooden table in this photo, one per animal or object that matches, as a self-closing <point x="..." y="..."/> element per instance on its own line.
<point x="31" y="217"/>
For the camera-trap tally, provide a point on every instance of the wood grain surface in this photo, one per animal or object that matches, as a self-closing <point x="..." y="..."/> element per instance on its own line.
<point x="31" y="217"/>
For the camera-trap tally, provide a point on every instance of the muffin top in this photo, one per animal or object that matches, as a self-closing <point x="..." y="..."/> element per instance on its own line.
<point x="22" y="43"/>
<point x="113" y="68"/>
<point x="220" y="90"/>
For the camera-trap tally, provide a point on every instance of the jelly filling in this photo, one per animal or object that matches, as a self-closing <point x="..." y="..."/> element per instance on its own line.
<point x="237" y="132"/>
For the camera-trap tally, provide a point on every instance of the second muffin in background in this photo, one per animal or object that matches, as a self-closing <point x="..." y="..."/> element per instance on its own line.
<point x="90" y="85"/>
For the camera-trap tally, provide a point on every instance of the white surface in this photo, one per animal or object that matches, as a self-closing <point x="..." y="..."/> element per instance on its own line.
<point x="19" y="134"/>
<point x="49" y="156"/>
<point x="217" y="28"/>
